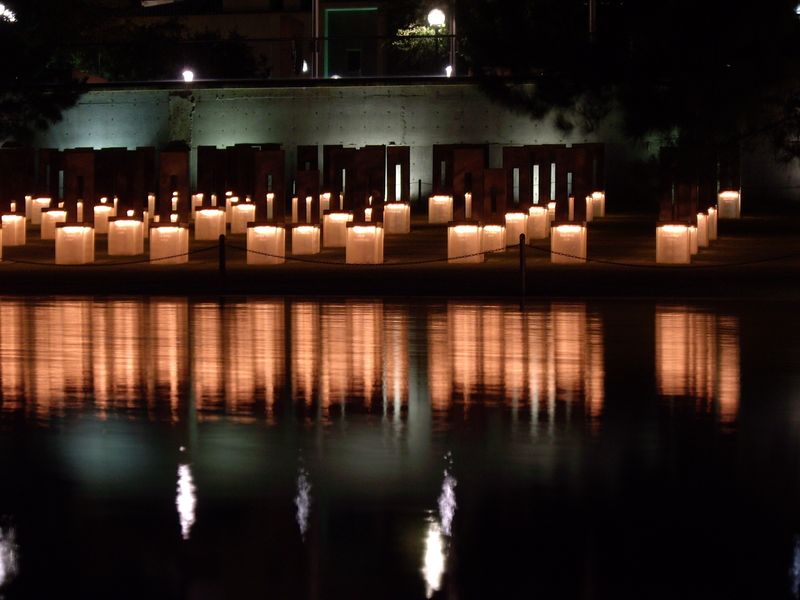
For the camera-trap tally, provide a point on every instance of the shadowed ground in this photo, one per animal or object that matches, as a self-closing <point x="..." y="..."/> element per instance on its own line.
<point x="756" y="257"/>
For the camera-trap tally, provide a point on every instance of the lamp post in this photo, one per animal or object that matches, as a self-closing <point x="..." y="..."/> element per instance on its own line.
<point x="436" y="19"/>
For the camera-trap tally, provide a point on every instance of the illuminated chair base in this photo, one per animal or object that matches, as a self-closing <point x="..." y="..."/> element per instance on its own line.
<point x="397" y="218"/>
<point x="440" y="209"/>
<point x="242" y="215"/>
<point x="493" y="238"/>
<point x="364" y="244"/>
<point x="516" y="225"/>
<point x="538" y="223"/>
<point x="125" y="237"/>
<point x="13" y="230"/>
<point x="209" y="224"/>
<point x="74" y="244"/>
<point x="169" y="244"/>
<point x="334" y="229"/>
<point x="464" y="243"/>
<point x="673" y="244"/>
<point x="305" y="239"/>
<point x="568" y="244"/>
<point x="266" y="244"/>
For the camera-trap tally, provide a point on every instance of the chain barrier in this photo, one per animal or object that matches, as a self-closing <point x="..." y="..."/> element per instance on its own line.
<point x="138" y="261"/>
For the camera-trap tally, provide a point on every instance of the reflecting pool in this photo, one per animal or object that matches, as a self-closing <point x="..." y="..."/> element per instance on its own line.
<point x="289" y="448"/>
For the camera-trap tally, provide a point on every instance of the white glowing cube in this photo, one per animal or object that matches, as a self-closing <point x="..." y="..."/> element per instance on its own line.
<point x="673" y="244"/>
<point x="295" y="209"/>
<point x="79" y="209"/>
<point x="28" y="202"/>
<point x="702" y="230"/>
<point x="568" y="244"/>
<point x="589" y="209"/>
<point x="13" y="230"/>
<point x="151" y="204"/>
<point x="125" y="237"/>
<point x="397" y="218"/>
<point x="693" y="239"/>
<point x="324" y="203"/>
<point x="493" y="238"/>
<point x="368" y="214"/>
<point x="305" y="239"/>
<point x="242" y="214"/>
<point x="270" y="206"/>
<point x="516" y="225"/>
<point x="729" y="204"/>
<point x="209" y="224"/>
<point x="37" y="205"/>
<point x="334" y="229"/>
<point x="266" y="244"/>
<point x="169" y="244"/>
<point x="102" y="212"/>
<point x="551" y="211"/>
<point x="197" y="202"/>
<point x="598" y="204"/>
<point x="74" y="244"/>
<point x="230" y="202"/>
<point x="364" y="244"/>
<point x="146" y="224"/>
<point x="538" y="223"/>
<point x="50" y="217"/>
<point x="440" y="209"/>
<point x="464" y="244"/>
<point x="712" y="223"/>
<point x="468" y="205"/>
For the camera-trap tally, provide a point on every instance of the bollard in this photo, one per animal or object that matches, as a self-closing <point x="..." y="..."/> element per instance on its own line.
<point x="522" y="262"/>
<point x="222" y="254"/>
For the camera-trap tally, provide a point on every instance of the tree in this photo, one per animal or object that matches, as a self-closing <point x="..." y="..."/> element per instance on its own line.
<point x="694" y="73"/>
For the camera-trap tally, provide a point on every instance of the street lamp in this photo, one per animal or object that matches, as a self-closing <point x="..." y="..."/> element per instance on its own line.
<point x="436" y="19"/>
<point x="188" y="75"/>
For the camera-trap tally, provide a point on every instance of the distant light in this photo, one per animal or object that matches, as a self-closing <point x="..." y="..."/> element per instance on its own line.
<point x="797" y="10"/>
<point x="186" y="500"/>
<point x="336" y="76"/>
<point x="448" y="70"/>
<point x="305" y="66"/>
<point x="6" y="14"/>
<point x="436" y="18"/>
<point x="188" y="75"/>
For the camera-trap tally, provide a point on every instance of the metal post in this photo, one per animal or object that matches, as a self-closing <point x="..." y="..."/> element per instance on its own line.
<point x="522" y="263"/>
<point x="419" y="190"/>
<point x="222" y="254"/>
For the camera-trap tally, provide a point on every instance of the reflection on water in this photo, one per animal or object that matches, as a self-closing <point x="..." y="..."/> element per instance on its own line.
<point x="8" y="556"/>
<point x="697" y="355"/>
<point x="794" y="571"/>
<point x="186" y="500"/>
<point x="302" y="501"/>
<point x="341" y="357"/>
<point x="434" y="562"/>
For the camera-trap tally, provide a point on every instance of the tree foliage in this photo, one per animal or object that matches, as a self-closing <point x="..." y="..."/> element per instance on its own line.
<point x="708" y="72"/>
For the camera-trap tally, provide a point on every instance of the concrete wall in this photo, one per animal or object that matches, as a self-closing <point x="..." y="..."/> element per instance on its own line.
<point x="416" y="115"/>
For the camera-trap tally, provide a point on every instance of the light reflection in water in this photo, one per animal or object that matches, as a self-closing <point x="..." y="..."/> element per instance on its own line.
<point x="8" y="556"/>
<point x="302" y="501"/>
<point x="697" y="355"/>
<point x="434" y="561"/>
<point x="499" y="354"/>
<point x="186" y="500"/>
<point x="794" y="571"/>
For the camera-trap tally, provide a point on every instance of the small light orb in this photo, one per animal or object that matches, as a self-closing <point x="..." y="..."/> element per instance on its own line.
<point x="188" y="75"/>
<point x="436" y="18"/>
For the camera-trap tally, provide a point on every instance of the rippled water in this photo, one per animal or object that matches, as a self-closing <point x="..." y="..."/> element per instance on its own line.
<point x="288" y="448"/>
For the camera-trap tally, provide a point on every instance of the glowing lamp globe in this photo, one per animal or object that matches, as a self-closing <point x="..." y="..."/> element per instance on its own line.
<point x="568" y="243"/>
<point x="74" y="244"/>
<point x="169" y="244"/>
<point x="464" y="243"/>
<point x="673" y="244"/>
<point x="13" y="229"/>
<point x="305" y="239"/>
<point x="397" y="218"/>
<point x="125" y="236"/>
<point x="364" y="244"/>
<point x="266" y="244"/>
<point x="538" y="223"/>
<point x="493" y="238"/>
<point x="334" y="229"/>
<point x="440" y="209"/>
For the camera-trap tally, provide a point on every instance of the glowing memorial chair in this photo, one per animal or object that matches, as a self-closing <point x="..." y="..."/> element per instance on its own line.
<point x="169" y="243"/>
<point x="197" y="203"/>
<point x="334" y="229"/>
<point x="324" y="203"/>
<point x="13" y="229"/>
<point x="397" y="218"/>
<point x="712" y="223"/>
<point x="693" y="239"/>
<point x="493" y="238"/>
<point x="49" y="218"/>
<point x="440" y="209"/>
<point x="551" y="211"/>
<point x="516" y="224"/>
<point x="74" y="244"/>
<point x="242" y="214"/>
<point x="267" y="240"/>
<point x="102" y="212"/>
<point x="538" y="223"/>
<point x="125" y="236"/>
<point x="598" y="204"/>
<point x="464" y="243"/>
<point x="702" y="230"/>
<point x="729" y="204"/>
<point x="36" y="207"/>
<point x="209" y="224"/>
<point x="270" y="206"/>
<point x="305" y="239"/>
<point x="364" y="244"/>
<point x="230" y="201"/>
<point x="673" y="244"/>
<point x="568" y="243"/>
